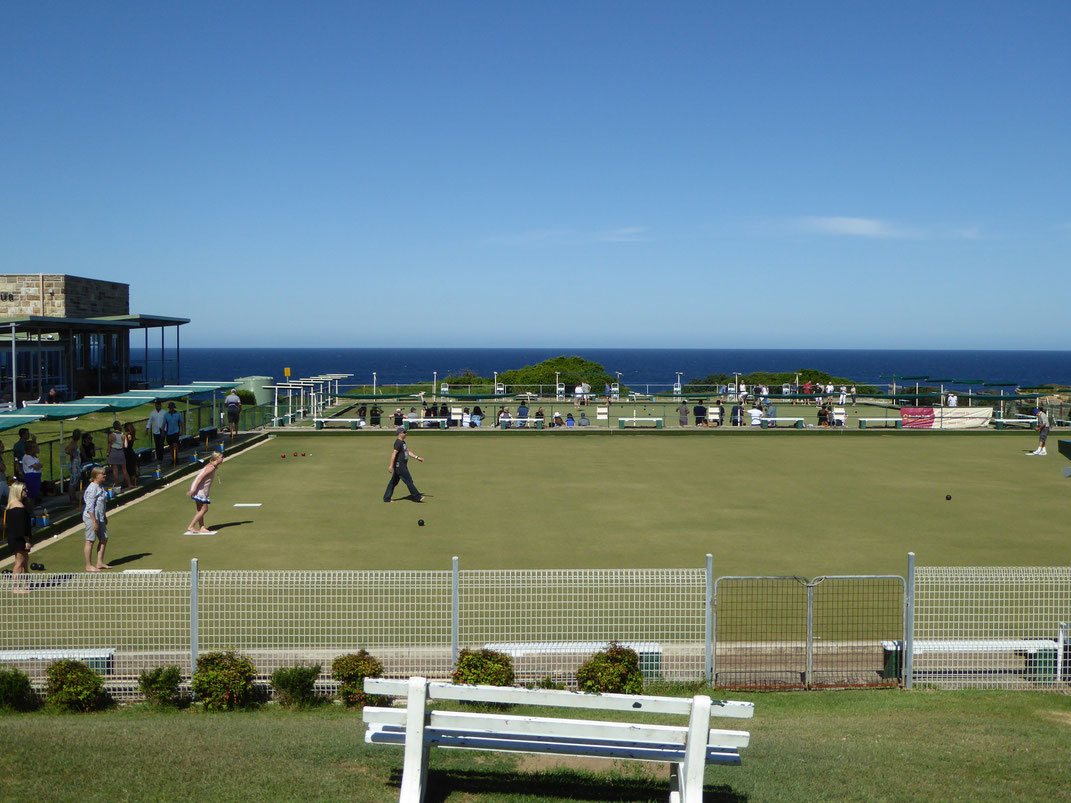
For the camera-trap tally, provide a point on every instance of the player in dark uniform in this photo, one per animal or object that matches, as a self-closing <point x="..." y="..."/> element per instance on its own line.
<point x="398" y="468"/>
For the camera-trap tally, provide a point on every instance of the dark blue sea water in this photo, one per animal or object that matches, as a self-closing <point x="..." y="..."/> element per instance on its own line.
<point x="656" y="368"/>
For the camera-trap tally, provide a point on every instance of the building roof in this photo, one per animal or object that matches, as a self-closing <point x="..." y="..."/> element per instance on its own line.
<point x="58" y="324"/>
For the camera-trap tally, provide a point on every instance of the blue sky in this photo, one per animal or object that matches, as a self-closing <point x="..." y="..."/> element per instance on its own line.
<point x="710" y="174"/>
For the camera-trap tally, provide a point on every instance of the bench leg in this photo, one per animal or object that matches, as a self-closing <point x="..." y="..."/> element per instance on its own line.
<point x="415" y="768"/>
<point x="690" y="774"/>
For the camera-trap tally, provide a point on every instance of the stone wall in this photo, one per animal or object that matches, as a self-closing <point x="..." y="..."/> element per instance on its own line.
<point x="61" y="296"/>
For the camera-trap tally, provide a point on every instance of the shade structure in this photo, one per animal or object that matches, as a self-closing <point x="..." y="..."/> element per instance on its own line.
<point x="12" y="420"/>
<point x="61" y="412"/>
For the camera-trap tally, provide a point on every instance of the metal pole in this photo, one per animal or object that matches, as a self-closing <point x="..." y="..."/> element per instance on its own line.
<point x="709" y="619"/>
<point x="455" y="614"/>
<point x="909" y="622"/>
<point x="194" y="581"/>
<point x="14" y="373"/>
<point x="810" y="631"/>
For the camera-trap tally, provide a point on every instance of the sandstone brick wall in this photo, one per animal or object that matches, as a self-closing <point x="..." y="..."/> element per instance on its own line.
<point x="61" y="296"/>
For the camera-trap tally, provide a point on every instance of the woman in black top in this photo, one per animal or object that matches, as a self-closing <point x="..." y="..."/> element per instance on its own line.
<point x="17" y="521"/>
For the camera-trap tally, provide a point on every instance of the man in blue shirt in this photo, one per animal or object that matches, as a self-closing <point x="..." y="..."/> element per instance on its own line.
<point x="174" y="426"/>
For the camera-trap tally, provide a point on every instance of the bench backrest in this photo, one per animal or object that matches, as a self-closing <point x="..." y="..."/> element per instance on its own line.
<point x="559" y="699"/>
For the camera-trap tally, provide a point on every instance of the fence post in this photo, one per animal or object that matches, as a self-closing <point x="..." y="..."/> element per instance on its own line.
<point x="709" y="622"/>
<point x="909" y="622"/>
<point x="810" y="633"/>
<point x="455" y="615"/>
<point x="194" y="582"/>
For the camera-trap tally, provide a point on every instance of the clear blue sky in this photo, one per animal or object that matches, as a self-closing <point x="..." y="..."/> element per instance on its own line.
<point x="663" y="174"/>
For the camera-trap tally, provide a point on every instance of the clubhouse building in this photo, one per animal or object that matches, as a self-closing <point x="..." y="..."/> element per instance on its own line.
<point x="74" y="334"/>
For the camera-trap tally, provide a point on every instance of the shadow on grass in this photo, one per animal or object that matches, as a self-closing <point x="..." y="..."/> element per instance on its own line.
<point x="218" y="527"/>
<point x="129" y="558"/>
<point x="560" y="785"/>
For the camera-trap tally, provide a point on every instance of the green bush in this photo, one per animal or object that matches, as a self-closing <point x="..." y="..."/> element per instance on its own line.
<point x="294" y="685"/>
<point x="615" y="670"/>
<point x="483" y="668"/>
<point x="548" y="682"/>
<point x="224" y="681"/>
<point x="16" y="693"/>
<point x="350" y="671"/>
<point x="73" y="686"/>
<point x="160" y="686"/>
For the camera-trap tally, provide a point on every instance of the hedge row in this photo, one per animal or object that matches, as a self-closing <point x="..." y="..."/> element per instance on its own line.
<point x="223" y="681"/>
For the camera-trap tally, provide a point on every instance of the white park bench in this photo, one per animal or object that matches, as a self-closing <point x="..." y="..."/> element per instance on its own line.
<point x="355" y="423"/>
<point x="687" y="748"/>
<point x="637" y="420"/>
<point x="777" y="419"/>
<point x="99" y="660"/>
<point x="1032" y="649"/>
<point x="410" y="423"/>
<point x="521" y="423"/>
<point x="1001" y="423"/>
<point x="896" y="423"/>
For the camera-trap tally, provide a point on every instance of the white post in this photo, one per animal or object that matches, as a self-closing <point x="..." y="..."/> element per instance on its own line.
<point x="194" y="582"/>
<point x="434" y="383"/>
<point x="455" y="614"/>
<point x="415" y="761"/>
<point x="695" y="751"/>
<point x="709" y="619"/>
<point x="373" y="384"/>
<point x="906" y="660"/>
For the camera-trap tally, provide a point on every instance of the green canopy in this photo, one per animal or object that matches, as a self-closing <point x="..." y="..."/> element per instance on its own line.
<point x="12" y="420"/>
<point x="122" y="401"/>
<point x="59" y="412"/>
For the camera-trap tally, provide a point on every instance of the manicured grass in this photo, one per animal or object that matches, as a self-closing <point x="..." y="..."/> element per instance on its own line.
<point x="761" y="502"/>
<point x="889" y="745"/>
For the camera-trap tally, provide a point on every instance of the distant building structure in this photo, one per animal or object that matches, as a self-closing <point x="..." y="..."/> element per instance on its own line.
<point x="73" y="334"/>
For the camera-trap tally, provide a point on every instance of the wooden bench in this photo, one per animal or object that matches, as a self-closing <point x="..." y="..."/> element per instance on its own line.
<point x="99" y="660"/>
<point x="636" y="420"/>
<point x="687" y="748"/>
<point x="355" y="423"/>
<point x="896" y="423"/>
<point x="1001" y="423"/>
<point x="796" y="422"/>
<point x="521" y="423"/>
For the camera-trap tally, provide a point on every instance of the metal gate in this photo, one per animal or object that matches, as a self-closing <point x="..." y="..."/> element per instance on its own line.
<point x="791" y="632"/>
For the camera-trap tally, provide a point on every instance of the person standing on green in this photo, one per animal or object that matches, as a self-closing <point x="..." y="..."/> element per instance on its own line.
<point x="398" y="468"/>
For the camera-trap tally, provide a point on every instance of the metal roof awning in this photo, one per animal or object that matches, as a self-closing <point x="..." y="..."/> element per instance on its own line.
<point x="55" y="324"/>
<point x="141" y="321"/>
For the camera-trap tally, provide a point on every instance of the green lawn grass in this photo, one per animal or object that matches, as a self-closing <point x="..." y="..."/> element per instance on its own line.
<point x="802" y="503"/>
<point x="889" y="745"/>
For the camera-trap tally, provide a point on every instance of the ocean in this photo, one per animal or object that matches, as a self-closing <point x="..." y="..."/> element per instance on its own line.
<point x="654" y="368"/>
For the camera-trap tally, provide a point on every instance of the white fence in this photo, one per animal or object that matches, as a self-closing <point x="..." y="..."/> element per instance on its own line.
<point x="990" y="627"/>
<point x="973" y="626"/>
<point x="415" y="622"/>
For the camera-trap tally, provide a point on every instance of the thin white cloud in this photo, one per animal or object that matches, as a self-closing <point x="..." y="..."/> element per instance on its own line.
<point x="875" y="228"/>
<point x="853" y="227"/>
<point x="627" y="234"/>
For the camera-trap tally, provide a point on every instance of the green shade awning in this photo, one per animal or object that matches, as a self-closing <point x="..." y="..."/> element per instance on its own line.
<point x="59" y="412"/>
<point x="119" y="402"/>
<point x="12" y="420"/>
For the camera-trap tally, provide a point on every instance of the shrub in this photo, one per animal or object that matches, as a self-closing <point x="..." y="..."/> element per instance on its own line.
<point x="483" y="668"/>
<point x="350" y="671"/>
<point x="160" y="686"/>
<point x="224" y="681"/>
<point x="615" y="670"/>
<point x="294" y="685"/>
<point x="73" y="686"/>
<point x="16" y="693"/>
<point x="548" y="682"/>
